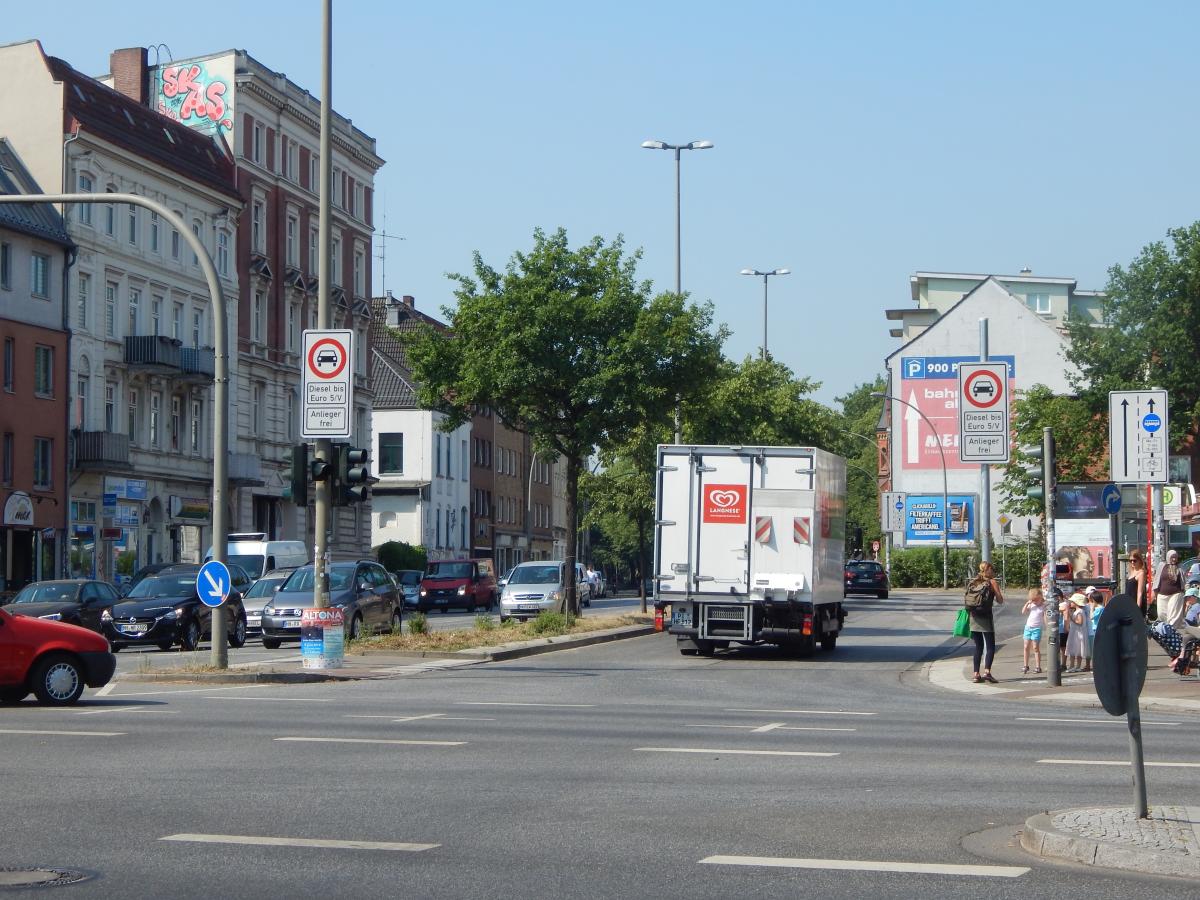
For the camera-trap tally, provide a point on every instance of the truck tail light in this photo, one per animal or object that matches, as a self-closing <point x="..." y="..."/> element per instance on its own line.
<point x="806" y="629"/>
<point x="658" y="618"/>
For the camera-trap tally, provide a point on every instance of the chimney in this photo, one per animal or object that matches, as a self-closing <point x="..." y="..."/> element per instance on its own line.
<point x="409" y="301"/>
<point x="130" y="75"/>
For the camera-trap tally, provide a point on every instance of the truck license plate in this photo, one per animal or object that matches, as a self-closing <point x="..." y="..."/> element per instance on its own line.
<point x="681" y="617"/>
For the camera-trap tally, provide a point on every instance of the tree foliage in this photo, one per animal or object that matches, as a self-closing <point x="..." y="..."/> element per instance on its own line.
<point x="398" y="555"/>
<point x="857" y="442"/>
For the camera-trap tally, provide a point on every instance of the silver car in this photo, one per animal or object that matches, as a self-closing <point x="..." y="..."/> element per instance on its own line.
<point x="537" y="587"/>
<point x="258" y="596"/>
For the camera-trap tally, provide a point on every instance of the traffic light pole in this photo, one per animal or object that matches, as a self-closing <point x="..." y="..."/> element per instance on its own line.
<point x="985" y="470"/>
<point x="1050" y="486"/>
<point x="322" y="501"/>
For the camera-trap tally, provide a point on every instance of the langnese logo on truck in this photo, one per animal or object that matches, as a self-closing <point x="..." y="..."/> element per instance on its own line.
<point x="725" y="503"/>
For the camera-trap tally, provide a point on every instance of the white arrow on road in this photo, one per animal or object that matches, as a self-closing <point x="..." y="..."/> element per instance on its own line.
<point x="217" y="590"/>
<point x="912" y="422"/>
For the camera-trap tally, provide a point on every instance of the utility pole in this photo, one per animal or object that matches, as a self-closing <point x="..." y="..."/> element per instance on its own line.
<point x="985" y="469"/>
<point x="1050" y="481"/>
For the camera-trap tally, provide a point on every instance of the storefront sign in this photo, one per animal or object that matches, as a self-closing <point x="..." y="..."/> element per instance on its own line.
<point x="85" y="531"/>
<point x="108" y="505"/>
<point x="126" y="488"/>
<point x="127" y="515"/>
<point x="198" y="509"/>
<point x="18" y="510"/>
<point x="110" y="534"/>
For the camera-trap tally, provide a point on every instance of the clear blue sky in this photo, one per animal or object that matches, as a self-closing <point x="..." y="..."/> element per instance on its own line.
<point x="856" y="143"/>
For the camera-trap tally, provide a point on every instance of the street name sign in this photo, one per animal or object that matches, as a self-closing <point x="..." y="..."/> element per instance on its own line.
<point x="892" y="511"/>
<point x="1138" y="436"/>
<point x="328" y="384"/>
<point x="213" y="583"/>
<point x="983" y="429"/>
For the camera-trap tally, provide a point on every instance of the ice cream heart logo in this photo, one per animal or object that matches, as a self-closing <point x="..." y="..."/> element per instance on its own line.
<point x="723" y="498"/>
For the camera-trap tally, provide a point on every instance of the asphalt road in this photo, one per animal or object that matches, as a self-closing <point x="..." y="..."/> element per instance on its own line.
<point x="614" y="771"/>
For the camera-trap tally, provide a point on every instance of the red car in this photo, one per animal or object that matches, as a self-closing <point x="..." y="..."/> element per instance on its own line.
<point x="468" y="584"/>
<point x="52" y="659"/>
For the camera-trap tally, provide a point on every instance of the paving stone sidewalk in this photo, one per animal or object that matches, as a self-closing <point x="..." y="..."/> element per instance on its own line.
<point x="1165" y="843"/>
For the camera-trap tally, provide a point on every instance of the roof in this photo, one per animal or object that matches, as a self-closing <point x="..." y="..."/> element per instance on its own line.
<point x="915" y="279"/>
<point x="391" y="373"/>
<point x="39" y="220"/>
<point x="107" y="113"/>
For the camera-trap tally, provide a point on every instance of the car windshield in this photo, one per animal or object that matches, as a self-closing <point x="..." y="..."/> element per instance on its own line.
<point x="164" y="586"/>
<point x="45" y="593"/>
<point x="411" y="579"/>
<point x="864" y="566"/>
<point x="535" y="575"/>
<point x="301" y="581"/>
<point x="448" y="570"/>
<point x="264" y="587"/>
<point x="252" y="564"/>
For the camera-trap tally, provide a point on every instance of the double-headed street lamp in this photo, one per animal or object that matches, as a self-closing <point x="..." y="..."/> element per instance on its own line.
<point x="690" y="145"/>
<point x="765" y="276"/>
<point x="883" y="395"/>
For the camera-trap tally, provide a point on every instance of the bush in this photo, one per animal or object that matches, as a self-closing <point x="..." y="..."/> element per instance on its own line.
<point x="484" y="623"/>
<point x="397" y="555"/>
<point x="418" y="623"/>
<point x="551" y="623"/>
<point x="922" y="567"/>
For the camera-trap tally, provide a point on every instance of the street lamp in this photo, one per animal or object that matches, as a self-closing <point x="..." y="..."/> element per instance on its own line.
<point x="765" y="276"/>
<point x="883" y="395"/>
<point x="690" y="145"/>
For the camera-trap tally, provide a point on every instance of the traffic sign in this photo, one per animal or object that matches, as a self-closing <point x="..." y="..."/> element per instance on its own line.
<point x="891" y="511"/>
<point x="1111" y="498"/>
<point x="983" y="425"/>
<point x="213" y="583"/>
<point x="1138" y="436"/>
<point x="328" y="384"/>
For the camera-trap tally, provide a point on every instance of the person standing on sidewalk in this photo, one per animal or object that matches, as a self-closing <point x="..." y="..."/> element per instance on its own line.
<point x="1135" y="584"/>
<point x="1168" y="591"/>
<point x="982" y="592"/>
<point x="1077" y="636"/>
<point x="1035" y="608"/>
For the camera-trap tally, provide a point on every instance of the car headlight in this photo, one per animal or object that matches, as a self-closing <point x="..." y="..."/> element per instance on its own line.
<point x="462" y="591"/>
<point x="555" y="595"/>
<point x="57" y="617"/>
<point x="424" y="592"/>
<point x="106" y="616"/>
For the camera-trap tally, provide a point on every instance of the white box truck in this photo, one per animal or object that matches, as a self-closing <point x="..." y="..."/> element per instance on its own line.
<point x="749" y="545"/>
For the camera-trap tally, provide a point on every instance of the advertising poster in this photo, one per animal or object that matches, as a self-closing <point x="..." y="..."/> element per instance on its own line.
<point x="1083" y="530"/>
<point x="924" y="519"/>
<point x="930" y="383"/>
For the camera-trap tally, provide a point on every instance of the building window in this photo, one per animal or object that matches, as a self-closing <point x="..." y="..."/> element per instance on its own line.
<point x="258" y="318"/>
<point x="194" y="427"/>
<point x="359" y="274"/>
<point x="256" y="143"/>
<point x="135" y="305"/>
<point x="437" y="453"/>
<point x="174" y="244"/>
<point x="133" y="225"/>
<point x="1039" y="303"/>
<point x="110" y="406"/>
<point x="197" y="326"/>
<point x="223" y="252"/>
<point x="43" y="371"/>
<point x="131" y="422"/>
<point x="291" y="328"/>
<point x="256" y="408"/>
<point x="8" y="458"/>
<point x="438" y="534"/>
<point x="155" y="417"/>
<point x="110" y="214"/>
<point x="176" y="416"/>
<point x="86" y="186"/>
<point x="293" y="227"/>
<point x="360" y="426"/>
<point x="291" y="414"/>
<point x="156" y="305"/>
<point x="39" y="275"/>
<point x="360" y="206"/>
<point x="336" y="265"/>
<point x="155" y="230"/>
<point x="391" y="453"/>
<point x="314" y="172"/>
<point x="464" y="463"/>
<point x="293" y="161"/>
<point x="313" y="259"/>
<point x="337" y="186"/>
<point x="110" y="309"/>
<point x="43" y="463"/>
<point x="6" y="266"/>
<point x="258" y="237"/>
<point x="83" y="386"/>
<point x="10" y="363"/>
<point x="83" y="299"/>
<point x="197" y="229"/>
<point x="177" y="322"/>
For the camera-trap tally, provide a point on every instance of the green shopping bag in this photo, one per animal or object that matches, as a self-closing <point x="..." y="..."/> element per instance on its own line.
<point x="962" y="625"/>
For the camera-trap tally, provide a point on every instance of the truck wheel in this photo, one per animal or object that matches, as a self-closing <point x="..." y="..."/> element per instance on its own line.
<point x="721" y="645"/>
<point x="706" y="647"/>
<point x="829" y="641"/>
<point x="688" y="651"/>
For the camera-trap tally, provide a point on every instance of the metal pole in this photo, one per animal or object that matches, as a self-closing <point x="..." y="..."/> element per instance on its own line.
<point x="1049" y="487"/>
<point x="1133" y="715"/>
<point x="678" y="288"/>
<point x="322" y="498"/>
<point x="985" y="470"/>
<point x="764" y="350"/>
<point x="1158" y="519"/>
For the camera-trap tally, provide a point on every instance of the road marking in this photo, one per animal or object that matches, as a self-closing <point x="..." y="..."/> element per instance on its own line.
<point x="806" y="712"/>
<point x="67" y="733"/>
<point x="329" y="740"/>
<point x="1113" y="721"/>
<point x="865" y="865"/>
<point x="514" y="703"/>
<point x="203" y="690"/>
<point x="1117" y="762"/>
<point x="278" y="699"/>
<point x="104" y="691"/>
<point x="724" y="752"/>
<point x="774" y="727"/>
<point x="296" y="842"/>
<point x="109" y="709"/>
<point x="265" y="662"/>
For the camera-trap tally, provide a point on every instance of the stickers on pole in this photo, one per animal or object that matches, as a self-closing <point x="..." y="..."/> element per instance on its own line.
<point x="1138" y="436"/>
<point x="328" y="384"/>
<point x="983" y="412"/>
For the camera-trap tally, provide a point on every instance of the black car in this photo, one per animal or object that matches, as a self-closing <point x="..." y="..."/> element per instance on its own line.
<point x="79" y="601"/>
<point x="362" y="590"/>
<point x="144" y="572"/>
<point x="865" y="576"/>
<point x="164" y="609"/>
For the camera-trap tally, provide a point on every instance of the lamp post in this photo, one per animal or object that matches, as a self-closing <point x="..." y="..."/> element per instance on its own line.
<point x="883" y="395"/>
<point x="765" y="276"/>
<point x="690" y="145"/>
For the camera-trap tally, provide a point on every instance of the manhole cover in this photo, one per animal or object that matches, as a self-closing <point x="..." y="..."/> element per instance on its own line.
<point x="39" y="877"/>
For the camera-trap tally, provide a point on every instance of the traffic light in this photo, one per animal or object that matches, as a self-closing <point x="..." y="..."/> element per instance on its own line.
<point x="353" y="475"/>
<point x="321" y="469"/>
<point x="1039" y="468"/>
<point x="297" y="488"/>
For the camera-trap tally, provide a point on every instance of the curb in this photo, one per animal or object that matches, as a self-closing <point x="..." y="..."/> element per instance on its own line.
<point x="1040" y="837"/>
<point x="307" y="676"/>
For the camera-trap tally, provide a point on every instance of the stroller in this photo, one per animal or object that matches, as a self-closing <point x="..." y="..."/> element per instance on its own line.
<point x="1183" y="650"/>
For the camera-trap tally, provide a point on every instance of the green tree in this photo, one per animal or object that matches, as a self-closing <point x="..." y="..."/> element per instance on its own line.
<point x="568" y="347"/>
<point x="856" y="441"/>
<point x="398" y="555"/>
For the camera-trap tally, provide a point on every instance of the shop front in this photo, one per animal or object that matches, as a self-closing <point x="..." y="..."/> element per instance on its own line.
<point x="29" y="547"/>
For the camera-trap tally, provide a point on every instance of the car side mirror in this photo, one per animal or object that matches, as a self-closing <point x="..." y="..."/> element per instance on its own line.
<point x="364" y="586"/>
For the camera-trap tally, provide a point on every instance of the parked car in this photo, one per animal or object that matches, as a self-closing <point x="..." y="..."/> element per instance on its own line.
<point x="502" y="581"/>
<point x="79" y="601"/>
<point x="865" y="576"/>
<point x="362" y="590"/>
<point x="259" y="595"/>
<point x="467" y="584"/>
<point x="409" y="582"/>
<point x="144" y="572"/>
<point x="165" y="610"/>
<point x="54" y="660"/>
<point x="537" y="587"/>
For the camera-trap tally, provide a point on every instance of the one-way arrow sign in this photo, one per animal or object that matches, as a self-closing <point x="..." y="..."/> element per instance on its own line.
<point x="1138" y="436"/>
<point x="213" y="583"/>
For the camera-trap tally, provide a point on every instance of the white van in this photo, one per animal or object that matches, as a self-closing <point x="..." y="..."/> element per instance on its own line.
<point x="254" y="553"/>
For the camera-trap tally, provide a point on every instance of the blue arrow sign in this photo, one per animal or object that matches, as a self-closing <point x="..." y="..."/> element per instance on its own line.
<point x="213" y="583"/>
<point x="1151" y="422"/>
<point x="1111" y="498"/>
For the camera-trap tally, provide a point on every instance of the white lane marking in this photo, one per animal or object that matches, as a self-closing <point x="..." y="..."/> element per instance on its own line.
<point x="67" y="733"/>
<point x="514" y="703"/>
<point x="865" y="865"/>
<point x="266" y="662"/>
<point x="806" y="712"/>
<point x="770" y="726"/>
<point x="110" y="709"/>
<point x="731" y="752"/>
<point x="1117" y="762"/>
<point x="104" y="691"/>
<point x="1113" y="721"/>
<point x="441" y="717"/>
<point x="756" y="728"/>
<point x="297" y="842"/>
<point x="330" y="740"/>
<point x="278" y="699"/>
<point x="202" y="690"/>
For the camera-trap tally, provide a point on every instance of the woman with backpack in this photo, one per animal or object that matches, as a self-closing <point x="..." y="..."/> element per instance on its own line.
<point x="981" y="593"/>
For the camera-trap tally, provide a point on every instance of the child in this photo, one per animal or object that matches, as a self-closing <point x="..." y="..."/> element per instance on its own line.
<point x="1035" y="608"/>
<point x="1096" y="600"/>
<point x="1078" y="634"/>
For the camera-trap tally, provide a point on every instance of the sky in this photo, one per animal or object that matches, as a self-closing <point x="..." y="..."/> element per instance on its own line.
<point x="855" y="143"/>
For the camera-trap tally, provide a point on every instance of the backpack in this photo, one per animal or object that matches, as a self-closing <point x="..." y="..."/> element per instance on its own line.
<point x="978" y="595"/>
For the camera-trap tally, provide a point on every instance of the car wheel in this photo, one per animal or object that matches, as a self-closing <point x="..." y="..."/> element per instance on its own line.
<point x="238" y="637"/>
<point x="504" y="619"/>
<point x="57" y="680"/>
<point x="355" y="630"/>
<point x="191" y="635"/>
<point x="115" y="648"/>
<point x="271" y="643"/>
<point x="397" y="624"/>
<point x="13" y="694"/>
<point x="165" y="645"/>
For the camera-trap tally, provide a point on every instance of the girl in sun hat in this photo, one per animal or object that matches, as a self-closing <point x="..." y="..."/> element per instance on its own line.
<point x="1077" y="636"/>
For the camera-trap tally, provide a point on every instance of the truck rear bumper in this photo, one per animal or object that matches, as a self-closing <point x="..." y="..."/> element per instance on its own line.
<point x="770" y="621"/>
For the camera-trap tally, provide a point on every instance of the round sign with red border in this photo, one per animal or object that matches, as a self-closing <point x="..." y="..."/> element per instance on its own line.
<point x="314" y="358"/>
<point x="989" y="385"/>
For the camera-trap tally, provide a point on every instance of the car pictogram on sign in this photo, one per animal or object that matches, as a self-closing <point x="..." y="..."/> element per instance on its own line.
<point x="980" y="388"/>
<point x="327" y="358"/>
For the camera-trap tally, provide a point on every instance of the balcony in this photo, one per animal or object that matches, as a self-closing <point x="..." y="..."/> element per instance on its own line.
<point x="153" y="352"/>
<point x="101" y="450"/>
<point x="197" y="363"/>
<point x="245" y="470"/>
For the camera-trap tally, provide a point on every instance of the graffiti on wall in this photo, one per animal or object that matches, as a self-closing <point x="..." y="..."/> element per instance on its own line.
<point x="194" y="95"/>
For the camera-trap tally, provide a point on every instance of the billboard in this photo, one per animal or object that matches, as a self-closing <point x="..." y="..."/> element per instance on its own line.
<point x="924" y="519"/>
<point x="1082" y="529"/>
